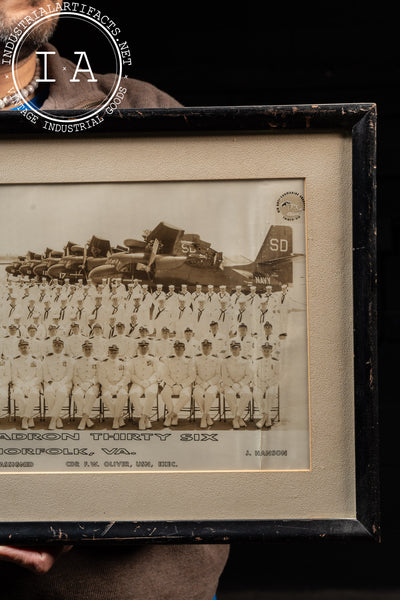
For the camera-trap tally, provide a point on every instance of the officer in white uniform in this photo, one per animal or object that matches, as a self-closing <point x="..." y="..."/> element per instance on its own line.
<point x="163" y="346"/>
<point x="179" y="376"/>
<point x="219" y="342"/>
<point x="74" y="341"/>
<point x="26" y="376"/>
<point x="113" y="374"/>
<point x="120" y="338"/>
<point x="266" y="380"/>
<point x="85" y="384"/>
<point x="99" y="342"/>
<point x="246" y="341"/>
<point x="192" y="345"/>
<point x="47" y="343"/>
<point x="57" y="380"/>
<point x="207" y="382"/>
<point x="35" y="344"/>
<point x="143" y="335"/>
<point x="236" y="379"/>
<point x="268" y="336"/>
<point x="144" y="375"/>
<point x="10" y="342"/>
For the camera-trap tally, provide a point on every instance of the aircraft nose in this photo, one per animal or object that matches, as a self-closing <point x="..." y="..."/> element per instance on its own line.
<point x="39" y="269"/>
<point x="54" y="271"/>
<point x="102" y="272"/>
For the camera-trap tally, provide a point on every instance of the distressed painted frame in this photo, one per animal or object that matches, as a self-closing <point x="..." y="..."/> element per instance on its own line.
<point x="359" y="121"/>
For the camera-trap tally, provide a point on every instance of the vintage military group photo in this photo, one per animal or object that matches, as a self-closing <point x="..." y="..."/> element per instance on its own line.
<point x="156" y="331"/>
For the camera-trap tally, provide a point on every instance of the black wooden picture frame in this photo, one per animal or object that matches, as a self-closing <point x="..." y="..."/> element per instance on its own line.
<point x="358" y="121"/>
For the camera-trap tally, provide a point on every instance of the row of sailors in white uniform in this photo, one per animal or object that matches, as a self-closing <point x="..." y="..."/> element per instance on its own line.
<point x="139" y="379"/>
<point x="199" y="320"/>
<point x="176" y="308"/>
<point x="26" y="291"/>
<point x="160" y="346"/>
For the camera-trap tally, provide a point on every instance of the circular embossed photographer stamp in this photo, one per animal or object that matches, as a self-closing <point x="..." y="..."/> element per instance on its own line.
<point x="290" y="205"/>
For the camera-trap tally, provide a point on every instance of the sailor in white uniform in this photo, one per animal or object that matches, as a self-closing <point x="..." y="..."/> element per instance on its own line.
<point x="163" y="346"/>
<point x="236" y="379"/>
<point x="265" y="385"/>
<point x="113" y="375"/>
<point x="26" y="375"/>
<point x="57" y="379"/>
<point x="85" y="384"/>
<point x="207" y="382"/>
<point x="179" y="376"/>
<point x="74" y="341"/>
<point x="144" y="375"/>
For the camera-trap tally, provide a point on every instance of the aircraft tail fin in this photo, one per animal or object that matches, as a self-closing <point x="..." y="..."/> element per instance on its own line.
<point x="277" y="244"/>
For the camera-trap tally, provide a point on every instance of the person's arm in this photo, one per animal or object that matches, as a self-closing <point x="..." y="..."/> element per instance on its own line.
<point x="38" y="560"/>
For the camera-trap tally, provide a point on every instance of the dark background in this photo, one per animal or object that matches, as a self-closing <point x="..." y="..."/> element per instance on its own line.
<point x="290" y="54"/>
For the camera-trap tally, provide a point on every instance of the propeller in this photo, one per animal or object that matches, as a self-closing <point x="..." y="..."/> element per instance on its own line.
<point x="152" y="258"/>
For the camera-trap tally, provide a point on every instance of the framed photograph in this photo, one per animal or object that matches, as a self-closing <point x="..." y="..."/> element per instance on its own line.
<point x="188" y="326"/>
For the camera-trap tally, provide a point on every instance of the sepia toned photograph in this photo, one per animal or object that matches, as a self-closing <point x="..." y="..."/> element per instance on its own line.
<point x="154" y="325"/>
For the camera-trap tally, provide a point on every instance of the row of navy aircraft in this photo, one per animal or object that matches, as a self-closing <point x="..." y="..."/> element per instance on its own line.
<point x="166" y="255"/>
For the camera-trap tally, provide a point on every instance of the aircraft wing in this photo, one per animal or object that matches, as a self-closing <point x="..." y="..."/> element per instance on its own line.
<point x="169" y="237"/>
<point x="98" y="247"/>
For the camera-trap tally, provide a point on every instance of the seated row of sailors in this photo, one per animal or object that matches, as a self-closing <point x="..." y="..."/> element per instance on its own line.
<point x="139" y="380"/>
